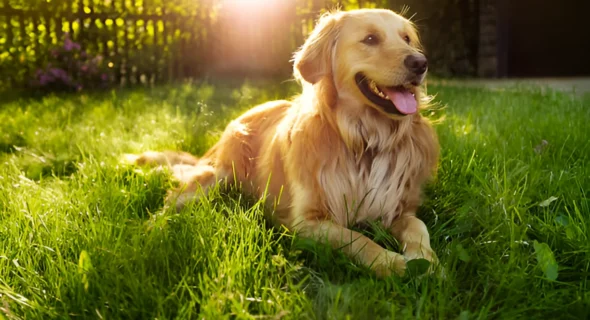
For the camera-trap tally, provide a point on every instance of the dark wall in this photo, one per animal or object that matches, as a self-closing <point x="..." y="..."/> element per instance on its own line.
<point x="539" y="38"/>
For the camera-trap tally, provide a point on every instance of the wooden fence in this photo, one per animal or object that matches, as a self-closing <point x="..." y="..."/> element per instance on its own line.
<point x="155" y="40"/>
<point x="161" y="40"/>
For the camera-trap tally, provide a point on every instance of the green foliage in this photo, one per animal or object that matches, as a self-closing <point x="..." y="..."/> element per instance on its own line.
<point x="546" y="260"/>
<point x="158" y="41"/>
<point x="70" y="67"/>
<point x="84" y="267"/>
<point x="92" y="241"/>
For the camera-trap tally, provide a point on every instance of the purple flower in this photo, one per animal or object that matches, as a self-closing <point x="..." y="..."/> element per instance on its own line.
<point x="84" y="68"/>
<point x="46" y="78"/>
<point x="104" y="77"/>
<point x="59" y="74"/>
<point x="70" y="45"/>
<point x="43" y="79"/>
<point x="56" y="72"/>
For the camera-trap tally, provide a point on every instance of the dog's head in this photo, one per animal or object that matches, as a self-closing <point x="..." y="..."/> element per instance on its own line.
<point x="372" y="56"/>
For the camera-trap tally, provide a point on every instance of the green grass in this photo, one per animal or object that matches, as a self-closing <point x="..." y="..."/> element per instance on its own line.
<point x="82" y="236"/>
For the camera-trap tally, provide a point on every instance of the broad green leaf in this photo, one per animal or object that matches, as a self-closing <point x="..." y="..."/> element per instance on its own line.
<point x="562" y="220"/>
<point x="546" y="260"/>
<point x="417" y="267"/>
<point x="547" y="202"/>
<point x="464" y="315"/>
<point x="463" y="254"/>
<point x="84" y="266"/>
<point x="570" y="232"/>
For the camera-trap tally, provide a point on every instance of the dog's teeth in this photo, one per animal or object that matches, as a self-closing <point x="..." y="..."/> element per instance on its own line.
<point x="373" y="86"/>
<point x="375" y="89"/>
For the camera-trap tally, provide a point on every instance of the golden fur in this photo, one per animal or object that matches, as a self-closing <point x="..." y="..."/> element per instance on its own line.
<point x="334" y="157"/>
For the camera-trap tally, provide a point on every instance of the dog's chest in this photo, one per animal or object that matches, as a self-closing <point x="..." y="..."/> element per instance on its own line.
<point x="365" y="188"/>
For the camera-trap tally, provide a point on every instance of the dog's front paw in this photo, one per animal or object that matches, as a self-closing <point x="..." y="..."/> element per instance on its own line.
<point x="415" y="250"/>
<point x="388" y="263"/>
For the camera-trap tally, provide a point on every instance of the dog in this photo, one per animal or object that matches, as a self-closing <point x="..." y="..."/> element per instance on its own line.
<point x="351" y="148"/>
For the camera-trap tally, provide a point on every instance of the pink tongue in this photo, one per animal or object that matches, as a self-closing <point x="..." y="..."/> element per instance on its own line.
<point x="403" y="99"/>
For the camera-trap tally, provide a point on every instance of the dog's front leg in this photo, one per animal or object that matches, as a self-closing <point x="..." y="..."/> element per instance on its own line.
<point x="355" y="245"/>
<point x="414" y="237"/>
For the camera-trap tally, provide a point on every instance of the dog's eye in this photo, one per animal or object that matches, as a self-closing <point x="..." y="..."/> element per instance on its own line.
<point x="371" y="40"/>
<point x="407" y="39"/>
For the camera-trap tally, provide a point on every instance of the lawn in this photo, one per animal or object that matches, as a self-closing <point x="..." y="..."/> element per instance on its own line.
<point x="83" y="236"/>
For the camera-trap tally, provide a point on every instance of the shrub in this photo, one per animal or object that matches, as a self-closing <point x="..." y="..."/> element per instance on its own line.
<point x="70" y="67"/>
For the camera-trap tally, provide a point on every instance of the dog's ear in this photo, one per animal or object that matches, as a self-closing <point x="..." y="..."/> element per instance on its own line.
<point x="314" y="60"/>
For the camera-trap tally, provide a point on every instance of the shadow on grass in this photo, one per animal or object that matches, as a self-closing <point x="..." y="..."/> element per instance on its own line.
<point x="11" y="143"/>
<point x="38" y="167"/>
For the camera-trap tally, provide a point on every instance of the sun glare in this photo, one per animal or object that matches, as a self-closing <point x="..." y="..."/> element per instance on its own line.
<point x="250" y="3"/>
<point x="250" y="9"/>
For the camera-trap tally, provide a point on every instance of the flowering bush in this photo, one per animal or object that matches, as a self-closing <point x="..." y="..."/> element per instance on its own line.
<point x="70" y="67"/>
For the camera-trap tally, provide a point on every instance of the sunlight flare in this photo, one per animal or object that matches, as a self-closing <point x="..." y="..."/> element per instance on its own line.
<point x="250" y="4"/>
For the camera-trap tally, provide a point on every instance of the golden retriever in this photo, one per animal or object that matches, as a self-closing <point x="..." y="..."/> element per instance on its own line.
<point x="351" y="148"/>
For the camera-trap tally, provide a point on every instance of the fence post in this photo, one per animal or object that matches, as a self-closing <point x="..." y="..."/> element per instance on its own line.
<point x="23" y="40"/>
<point x="47" y="20"/>
<point x="125" y="64"/>
<point x="155" y="48"/>
<point x="80" y="37"/>
<point x="9" y="37"/>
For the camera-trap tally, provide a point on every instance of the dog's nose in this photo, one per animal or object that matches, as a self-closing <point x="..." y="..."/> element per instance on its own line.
<point x="416" y="63"/>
